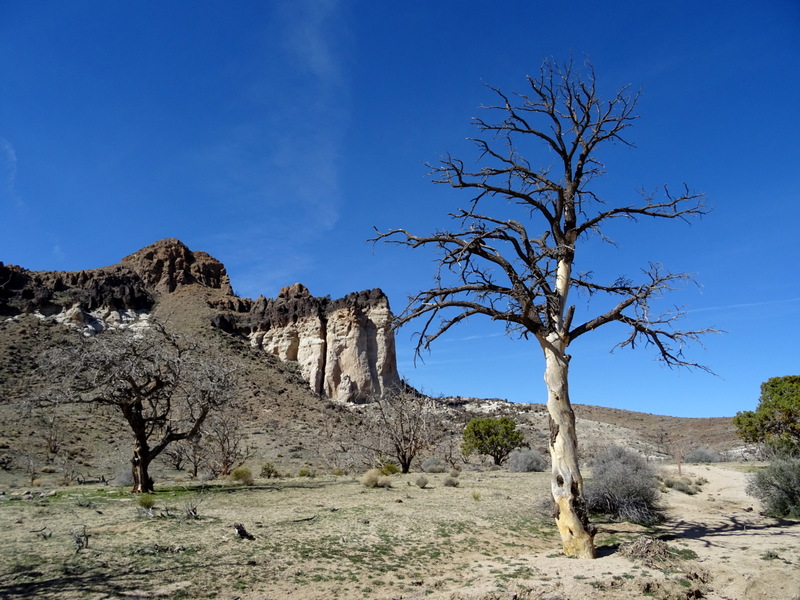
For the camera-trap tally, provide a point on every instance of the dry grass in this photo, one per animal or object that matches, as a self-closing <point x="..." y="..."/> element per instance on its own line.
<point x="330" y="535"/>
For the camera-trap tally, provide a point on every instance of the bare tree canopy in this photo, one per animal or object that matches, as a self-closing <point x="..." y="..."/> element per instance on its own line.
<point x="163" y="385"/>
<point x="521" y="270"/>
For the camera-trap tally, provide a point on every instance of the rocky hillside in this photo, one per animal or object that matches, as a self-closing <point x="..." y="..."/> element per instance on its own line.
<point x="345" y="347"/>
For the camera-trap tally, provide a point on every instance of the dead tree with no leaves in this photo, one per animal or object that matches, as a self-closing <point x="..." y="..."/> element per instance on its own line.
<point x="163" y="385"/>
<point x="400" y="425"/>
<point x="494" y="266"/>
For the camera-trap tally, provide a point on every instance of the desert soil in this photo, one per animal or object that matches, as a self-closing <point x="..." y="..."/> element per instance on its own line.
<point x="330" y="537"/>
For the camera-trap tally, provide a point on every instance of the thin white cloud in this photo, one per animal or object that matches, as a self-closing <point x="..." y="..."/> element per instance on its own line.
<point x="744" y="305"/>
<point x="281" y="159"/>
<point x="309" y="40"/>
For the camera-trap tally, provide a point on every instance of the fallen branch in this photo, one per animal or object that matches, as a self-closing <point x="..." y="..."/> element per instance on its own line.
<point x="242" y="532"/>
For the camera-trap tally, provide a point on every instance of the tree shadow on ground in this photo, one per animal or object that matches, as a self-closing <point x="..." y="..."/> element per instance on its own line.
<point x="732" y="524"/>
<point x="110" y="583"/>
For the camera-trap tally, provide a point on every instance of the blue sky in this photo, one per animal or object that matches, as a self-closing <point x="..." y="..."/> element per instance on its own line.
<point x="275" y="135"/>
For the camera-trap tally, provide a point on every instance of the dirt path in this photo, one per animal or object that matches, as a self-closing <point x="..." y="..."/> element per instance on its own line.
<point x="740" y="554"/>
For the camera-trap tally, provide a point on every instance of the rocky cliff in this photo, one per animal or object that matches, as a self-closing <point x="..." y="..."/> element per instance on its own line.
<point x="345" y="347"/>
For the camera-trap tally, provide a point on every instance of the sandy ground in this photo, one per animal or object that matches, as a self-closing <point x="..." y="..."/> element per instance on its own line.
<point x="330" y="538"/>
<point x="741" y="555"/>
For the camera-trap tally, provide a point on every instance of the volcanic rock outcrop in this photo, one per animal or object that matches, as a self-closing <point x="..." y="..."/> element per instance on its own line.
<point x="344" y="348"/>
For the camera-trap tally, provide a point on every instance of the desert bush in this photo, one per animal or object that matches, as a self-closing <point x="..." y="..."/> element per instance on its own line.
<point x="421" y="481"/>
<point x="268" y="471"/>
<point x="702" y="455"/>
<point x="389" y="468"/>
<point x="147" y="501"/>
<point x="683" y="484"/>
<point x="476" y="496"/>
<point x="526" y="460"/>
<point x="242" y="475"/>
<point x="778" y="486"/>
<point x="450" y="482"/>
<point x="305" y="473"/>
<point x="624" y="486"/>
<point x="373" y="478"/>
<point x="434" y="465"/>
<point x="454" y="473"/>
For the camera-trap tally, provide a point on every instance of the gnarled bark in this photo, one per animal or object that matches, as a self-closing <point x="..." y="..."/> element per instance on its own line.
<point x="566" y="483"/>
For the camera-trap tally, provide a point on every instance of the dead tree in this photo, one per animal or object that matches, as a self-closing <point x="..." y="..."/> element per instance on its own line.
<point x="400" y="425"/>
<point x="163" y="385"/>
<point x="521" y="270"/>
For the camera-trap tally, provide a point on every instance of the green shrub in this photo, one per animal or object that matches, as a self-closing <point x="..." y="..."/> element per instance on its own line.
<point x="434" y="465"/>
<point x="702" y="455"/>
<point x="268" y="471"/>
<point x="305" y="473"/>
<point x="389" y="468"/>
<point x="450" y="482"/>
<point x="147" y="501"/>
<point x="778" y="487"/>
<point x="421" y="482"/>
<point x="526" y="460"/>
<point x="495" y="437"/>
<point x="623" y="486"/>
<point x="243" y="475"/>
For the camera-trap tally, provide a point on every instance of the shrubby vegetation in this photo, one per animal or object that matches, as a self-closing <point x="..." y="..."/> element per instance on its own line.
<point x="624" y="486"/>
<point x="776" y="420"/>
<point x="242" y="475"/>
<point x="778" y="487"/>
<point x="526" y="460"/>
<point x="434" y="465"/>
<point x="495" y="437"/>
<point x="702" y="455"/>
<point x="373" y="478"/>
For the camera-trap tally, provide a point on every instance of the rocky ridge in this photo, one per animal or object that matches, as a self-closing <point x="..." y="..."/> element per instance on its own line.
<point x="344" y="348"/>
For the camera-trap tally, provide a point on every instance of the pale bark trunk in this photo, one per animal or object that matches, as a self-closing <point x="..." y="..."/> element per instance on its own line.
<point x="572" y="519"/>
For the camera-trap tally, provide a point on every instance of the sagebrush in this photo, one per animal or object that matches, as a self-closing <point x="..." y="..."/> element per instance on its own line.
<point x="526" y="460"/>
<point x="778" y="487"/>
<point x="623" y="486"/>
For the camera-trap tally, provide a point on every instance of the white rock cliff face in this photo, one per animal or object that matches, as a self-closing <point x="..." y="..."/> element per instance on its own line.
<point x="345" y="348"/>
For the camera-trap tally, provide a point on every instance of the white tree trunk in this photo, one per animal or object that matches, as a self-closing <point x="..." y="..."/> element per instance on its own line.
<point x="572" y="519"/>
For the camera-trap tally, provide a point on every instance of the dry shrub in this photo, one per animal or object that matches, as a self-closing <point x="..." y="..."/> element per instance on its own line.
<point x="243" y="475"/>
<point x="526" y="460"/>
<point x="682" y="484"/>
<point x="778" y="486"/>
<point x="624" y="486"/>
<point x="434" y="464"/>
<point x="450" y="482"/>
<point x="702" y="455"/>
<point x="374" y="479"/>
<point x="421" y="482"/>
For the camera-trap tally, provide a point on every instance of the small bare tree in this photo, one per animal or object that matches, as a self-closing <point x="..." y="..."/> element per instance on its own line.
<point x="224" y="442"/>
<point x="494" y="265"/>
<point x="163" y="385"/>
<point x="401" y="425"/>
